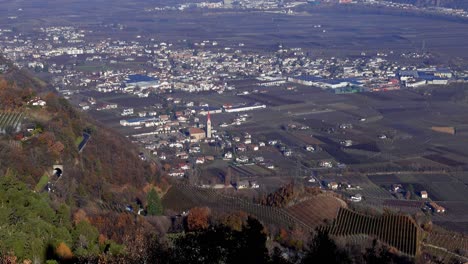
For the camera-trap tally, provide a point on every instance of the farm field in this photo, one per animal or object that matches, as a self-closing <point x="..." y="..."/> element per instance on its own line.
<point x="397" y="230"/>
<point x="10" y="120"/>
<point x="224" y="203"/>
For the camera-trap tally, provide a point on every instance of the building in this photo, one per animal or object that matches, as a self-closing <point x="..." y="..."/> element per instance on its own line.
<point x="424" y="195"/>
<point x="142" y="121"/>
<point x="333" y="185"/>
<point x="356" y="198"/>
<point x="196" y="134"/>
<point x="208" y="126"/>
<point x="141" y="81"/>
<point x="325" y="83"/>
<point x="242" y="108"/>
<point x="227" y="3"/>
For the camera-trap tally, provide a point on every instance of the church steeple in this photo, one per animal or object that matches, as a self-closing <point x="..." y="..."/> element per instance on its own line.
<point x="208" y="125"/>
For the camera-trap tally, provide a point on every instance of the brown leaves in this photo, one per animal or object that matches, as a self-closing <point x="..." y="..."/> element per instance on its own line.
<point x="198" y="218"/>
<point x="3" y="84"/>
<point x="79" y="216"/>
<point x="63" y="251"/>
<point x="235" y="221"/>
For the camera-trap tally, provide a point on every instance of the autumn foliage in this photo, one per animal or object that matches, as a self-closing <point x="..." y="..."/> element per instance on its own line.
<point x="198" y="218"/>
<point x="280" y="198"/>
<point x="63" y="251"/>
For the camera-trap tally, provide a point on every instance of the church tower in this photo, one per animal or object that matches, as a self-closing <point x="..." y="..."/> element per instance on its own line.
<point x="208" y="126"/>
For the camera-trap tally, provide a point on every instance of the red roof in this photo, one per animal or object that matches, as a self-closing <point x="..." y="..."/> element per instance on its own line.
<point x="194" y="130"/>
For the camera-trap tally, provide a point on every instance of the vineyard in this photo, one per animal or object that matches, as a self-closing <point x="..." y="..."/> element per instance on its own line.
<point x="397" y="231"/>
<point x="10" y="120"/>
<point x="217" y="201"/>
<point x="447" y="246"/>
<point x="317" y="210"/>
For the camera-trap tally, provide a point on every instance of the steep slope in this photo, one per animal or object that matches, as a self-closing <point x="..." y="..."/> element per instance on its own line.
<point x="52" y="135"/>
<point x="56" y="157"/>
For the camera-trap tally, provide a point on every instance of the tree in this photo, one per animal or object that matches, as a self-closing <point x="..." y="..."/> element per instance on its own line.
<point x="255" y="247"/>
<point x="63" y="251"/>
<point x="322" y="249"/>
<point x="198" y="218"/>
<point x="85" y="237"/>
<point x="380" y="254"/>
<point x="154" y="206"/>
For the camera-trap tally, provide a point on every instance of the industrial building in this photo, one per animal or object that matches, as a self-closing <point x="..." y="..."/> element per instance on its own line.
<point x="139" y="121"/>
<point x="243" y="108"/>
<point x="325" y="83"/>
<point x="141" y="81"/>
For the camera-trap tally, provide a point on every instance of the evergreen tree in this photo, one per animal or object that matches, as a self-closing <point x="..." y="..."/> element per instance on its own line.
<point x="322" y="249"/>
<point x="154" y="206"/>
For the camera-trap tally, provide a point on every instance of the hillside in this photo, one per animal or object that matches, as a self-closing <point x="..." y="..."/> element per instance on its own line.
<point x="51" y="135"/>
<point x="56" y="157"/>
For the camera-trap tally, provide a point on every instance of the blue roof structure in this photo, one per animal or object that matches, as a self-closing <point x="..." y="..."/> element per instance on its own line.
<point x="205" y="108"/>
<point x="141" y="119"/>
<point x="136" y="78"/>
<point x="311" y="78"/>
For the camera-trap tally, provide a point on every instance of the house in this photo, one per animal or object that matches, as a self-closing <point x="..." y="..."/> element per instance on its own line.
<point x="177" y="173"/>
<point x="200" y="160"/>
<point x="242" y="159"/>
<point x="424" y="194"/>
<point x="241" y="148"/>
<point x="254" y="185"/>
<point x="259" y="159"/>
<point x="254" y="147"/>
<point x="356" y="198"/>
<point x="310" y="148"/>
<point x="242" y="185"/>
<point x="397" y="188"/>
<point x="272" y="142"/>
<point x="37" y="102"/>
<point x="333" y="185"/>
<point x="326" y="164"/>
<point x="228" y="155"/>
<point x="184" y="166"/>
<point x="196" y="134"/>
<point x="164" y="117"/>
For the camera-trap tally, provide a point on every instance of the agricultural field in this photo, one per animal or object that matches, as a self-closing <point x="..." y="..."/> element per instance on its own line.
<point x="10" y="121"/>
<point x="447" y="246"/>
<point x="396" y="230"/>
<point x="218" y="201"/>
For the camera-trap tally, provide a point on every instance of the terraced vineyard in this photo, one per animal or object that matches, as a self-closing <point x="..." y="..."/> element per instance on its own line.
<point x="453" y="243"/>
<point x="10" y="119"/>
<point x="396" y="230"/>
<point x="217" y="201"/>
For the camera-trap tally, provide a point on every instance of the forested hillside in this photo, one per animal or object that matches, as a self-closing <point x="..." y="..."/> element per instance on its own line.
<point x="43" y="209"/>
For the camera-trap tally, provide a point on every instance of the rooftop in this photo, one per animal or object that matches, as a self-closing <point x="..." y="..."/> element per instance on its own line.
<point x="135" y="78"/>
